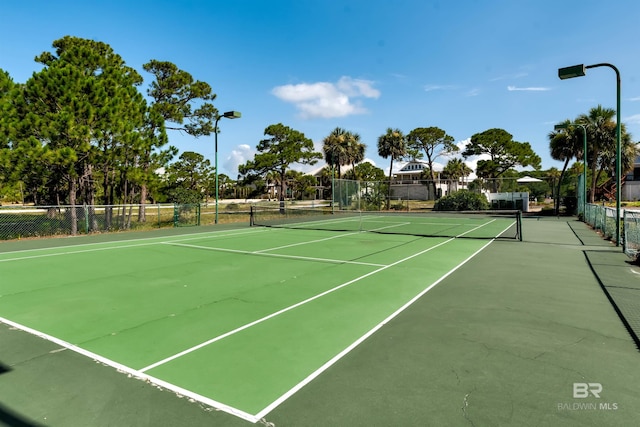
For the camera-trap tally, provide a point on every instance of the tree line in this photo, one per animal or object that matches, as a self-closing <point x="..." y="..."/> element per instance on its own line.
<point x="285" y="146"/>
<point x="501" y="154"/>
<point x="567" y="142"/>
<point x="80" y="131"/>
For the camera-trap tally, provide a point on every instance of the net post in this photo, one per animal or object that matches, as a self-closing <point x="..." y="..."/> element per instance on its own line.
<point x="251" y="216"/>
<point x="519" y="224"/>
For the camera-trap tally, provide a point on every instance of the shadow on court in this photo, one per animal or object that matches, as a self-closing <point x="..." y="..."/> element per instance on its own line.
<point x="12" y="419"/>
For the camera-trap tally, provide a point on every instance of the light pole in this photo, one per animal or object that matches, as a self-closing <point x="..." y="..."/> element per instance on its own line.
<point x="579" y="71"/>
<point x="228" y="115"/>
<point x="584" y="164"/>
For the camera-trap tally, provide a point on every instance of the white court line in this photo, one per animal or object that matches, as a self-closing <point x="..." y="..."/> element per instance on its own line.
<point x="344" y="352"/>
<point x="110" y="247"/>
<point x="208" y="233"/>
<point x="327" y="238"/>
<point x="299" y="225"/>
<point x="286" y="309"/>
<point x="291" y="307"/>
<point x="397" y="224"/>
<point x="133" y="372"/>
<point x="337" y="218"/>
<point x="140" y="374"/>
<point x="305" y="243"/>
<point x="261" y="253"/>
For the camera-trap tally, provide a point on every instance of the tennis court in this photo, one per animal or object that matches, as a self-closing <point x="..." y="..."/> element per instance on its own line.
<point x="237" y="319"/>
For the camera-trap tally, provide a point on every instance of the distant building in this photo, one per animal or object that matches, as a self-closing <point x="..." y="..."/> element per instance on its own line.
<point x="410" y="172"/>
<point x="631" y="183"/>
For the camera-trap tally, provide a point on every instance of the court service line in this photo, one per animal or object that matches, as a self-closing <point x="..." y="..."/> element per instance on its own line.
<point x="305" y="243"/>
<point x="71" y="252"/>
<point x="325" y="239"/>
<point x="144" y="239"/>
<point x="133" y="372"/>
<point x="291" y="307"/>
<point x="397" y="224"/>
<point x="373" y="330"/>
<point x="304" y="258"/>
<point x="286" y="309"/>
<point x="325" y="221"/>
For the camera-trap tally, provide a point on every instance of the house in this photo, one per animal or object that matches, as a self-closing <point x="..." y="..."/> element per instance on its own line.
<point x="410" y="172"/>
<point x="409" y="182"/>
<point x="631" y="183"/>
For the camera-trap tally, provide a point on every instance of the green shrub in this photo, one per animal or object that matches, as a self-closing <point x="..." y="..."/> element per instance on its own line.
<point x="547" y="211"/>
<point x="463" y="200"/>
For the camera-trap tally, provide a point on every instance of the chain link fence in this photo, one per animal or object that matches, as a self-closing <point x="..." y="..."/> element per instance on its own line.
<point x="39" y="221"/>
<point x="19" y="222"/>
<point x="603" y="220"/>
<point x="631" y="221"/>
<point x="397" y="195"/>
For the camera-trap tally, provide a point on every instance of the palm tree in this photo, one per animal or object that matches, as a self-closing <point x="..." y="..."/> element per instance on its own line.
<point x="334" y="147"/>
<point x="355" y="151"/>
<point x="392" y="144"/>
<point x="601" y="140"/>
<point x="342" y="147"/>
<point x="272" y="179"/>
<point x="553" y="175"/>
<point x="456" y="169"/>
<point x="564" y="145"/>
<point x="601" y="152"/>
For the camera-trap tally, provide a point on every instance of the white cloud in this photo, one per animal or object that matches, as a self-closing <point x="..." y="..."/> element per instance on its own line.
<point x="368" y="160"/>
<point x="529" y="89"/>
<point x="238" y="156"/>
<point x="463" y="144"/>
<point x="635" y="119"/>
<point x="473" y="92"/>
<point x="472" y="161"/>
<point x="430" y="88"/>
<point x="327" y="100"/>
<point x="636" y="98"/>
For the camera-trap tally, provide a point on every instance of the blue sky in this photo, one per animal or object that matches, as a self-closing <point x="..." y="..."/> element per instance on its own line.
<point x="462" y="65"/>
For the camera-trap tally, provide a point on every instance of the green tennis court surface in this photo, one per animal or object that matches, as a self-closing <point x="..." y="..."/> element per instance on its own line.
<point x="291" y="327"/>
<point x="236" y="319"/>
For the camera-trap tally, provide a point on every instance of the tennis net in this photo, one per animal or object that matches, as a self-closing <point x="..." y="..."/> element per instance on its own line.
<point x="503" y="224"/>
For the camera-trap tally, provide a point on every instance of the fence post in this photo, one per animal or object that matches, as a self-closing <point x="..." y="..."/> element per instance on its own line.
<point x="86" y="219"/>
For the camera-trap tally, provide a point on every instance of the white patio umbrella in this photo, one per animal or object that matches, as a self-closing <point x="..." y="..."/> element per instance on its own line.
<point x="528" y="179"/>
